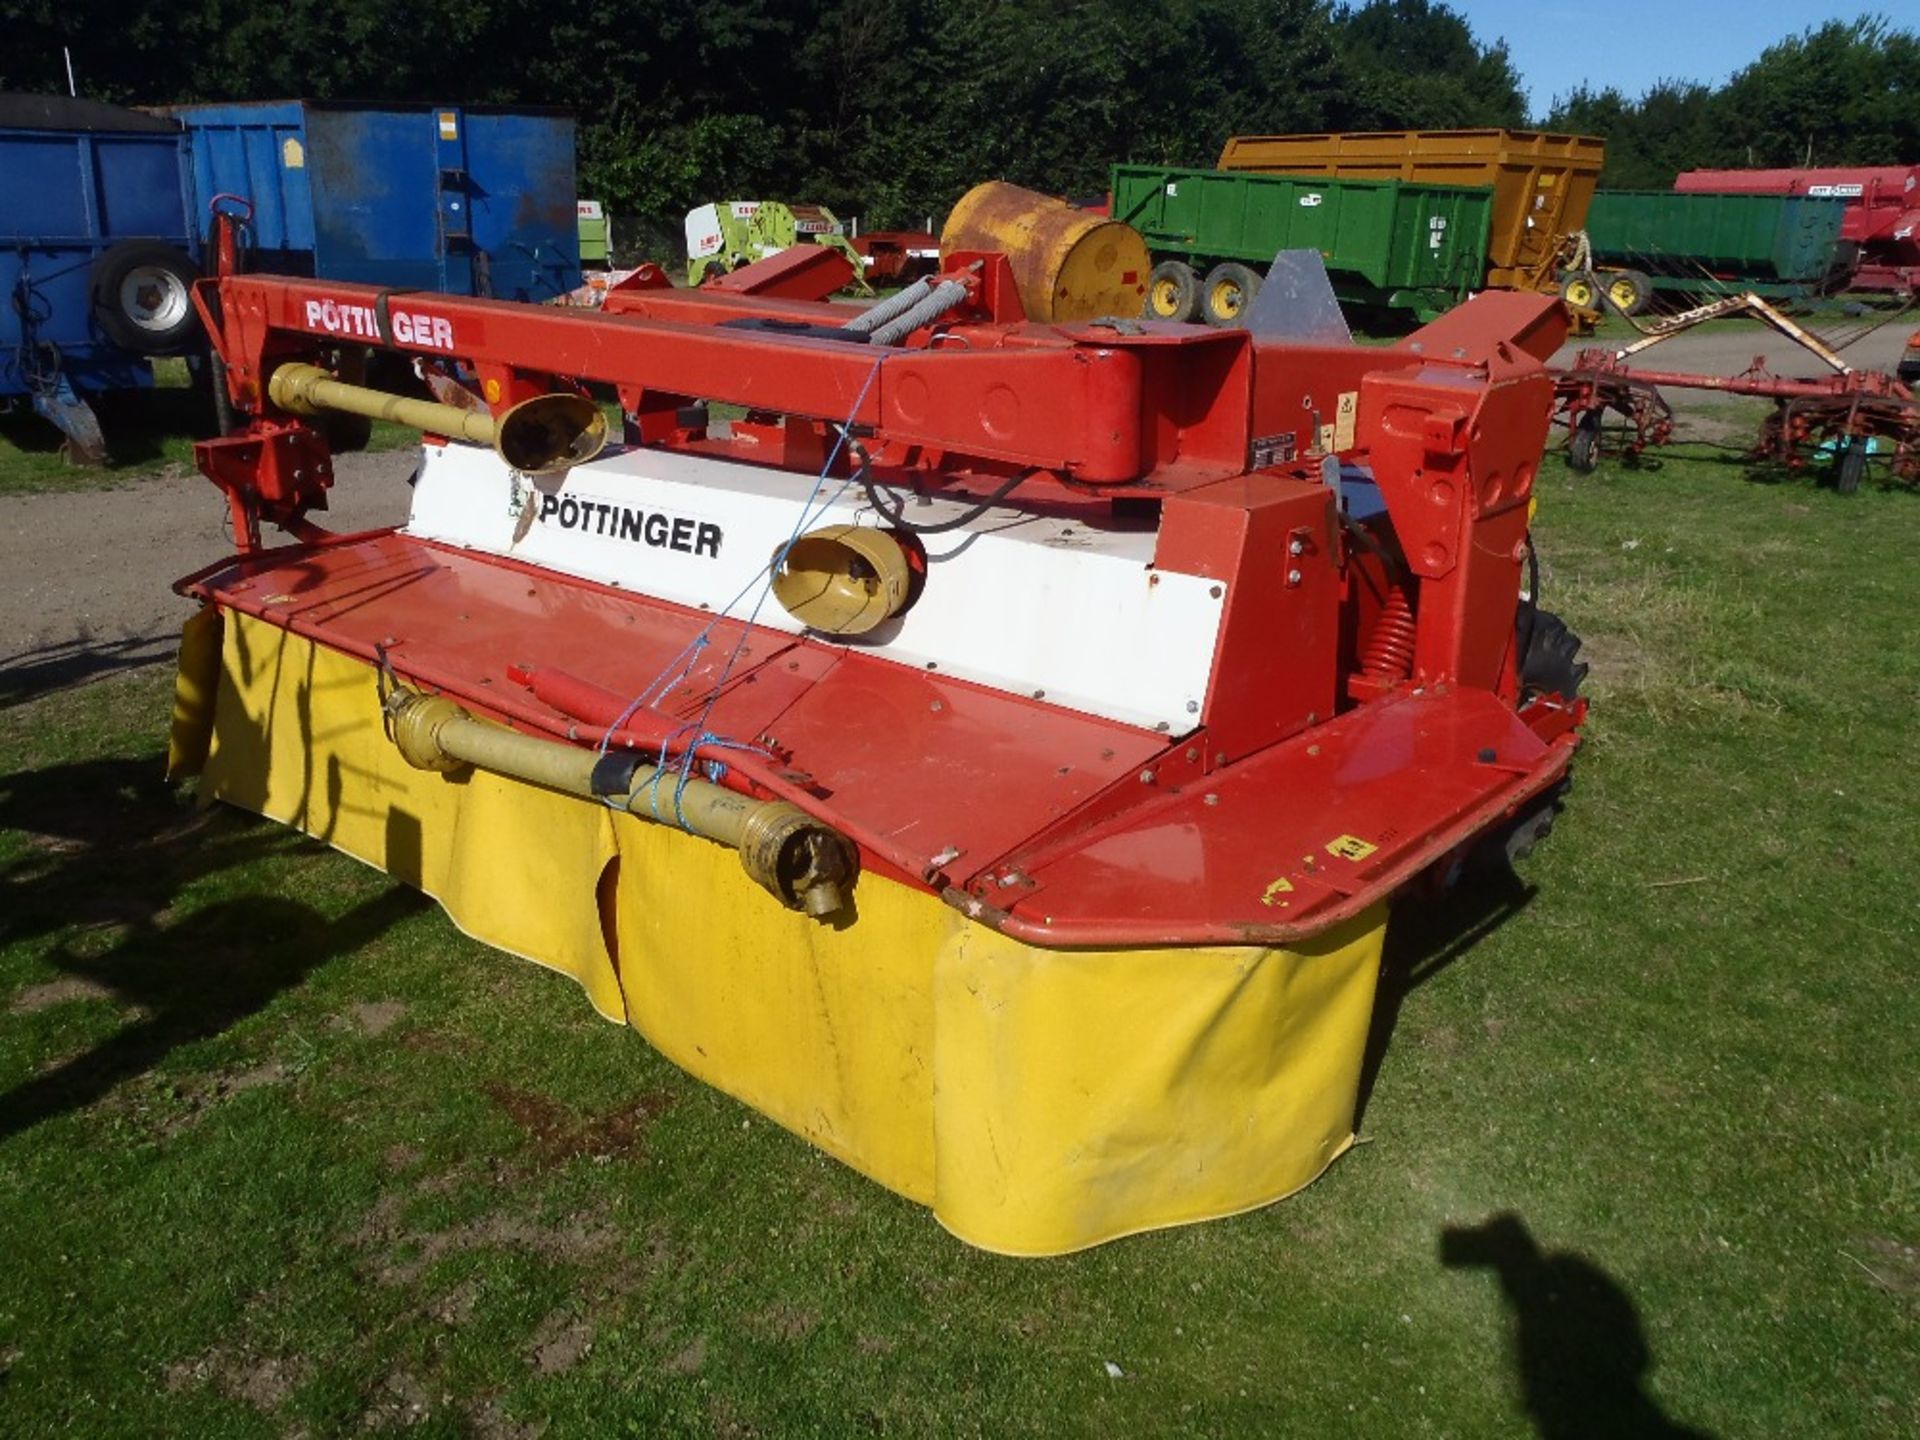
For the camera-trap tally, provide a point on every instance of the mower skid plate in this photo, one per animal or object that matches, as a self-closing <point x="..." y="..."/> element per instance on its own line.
<point x="913" y="766"/>
<point x="1051" y="825"/>
<point x="1297" y="838"/>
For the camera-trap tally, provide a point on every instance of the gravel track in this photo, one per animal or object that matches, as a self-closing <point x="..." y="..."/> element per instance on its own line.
<point x="86" y="576"/>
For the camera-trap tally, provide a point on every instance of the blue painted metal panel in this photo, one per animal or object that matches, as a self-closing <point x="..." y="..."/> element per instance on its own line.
<point x="524" y="212"/>
<point x="432" y="197"/>
<point x="375" y="198"/>
<point x="257" y="152"/>
<point x="69" y="196"/>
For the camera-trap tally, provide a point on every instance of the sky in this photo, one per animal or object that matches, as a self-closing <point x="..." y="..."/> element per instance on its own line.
<point x="1632" y="44"/>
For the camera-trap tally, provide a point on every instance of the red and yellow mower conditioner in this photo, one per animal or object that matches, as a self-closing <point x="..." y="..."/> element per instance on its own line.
<point x="992" y="757"/>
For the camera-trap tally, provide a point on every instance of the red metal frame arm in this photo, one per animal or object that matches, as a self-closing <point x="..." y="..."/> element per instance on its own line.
<point x="1094" y="406"/>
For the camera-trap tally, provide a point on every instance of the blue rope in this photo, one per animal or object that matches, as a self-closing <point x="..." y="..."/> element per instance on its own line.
<point x="682" y="664"/>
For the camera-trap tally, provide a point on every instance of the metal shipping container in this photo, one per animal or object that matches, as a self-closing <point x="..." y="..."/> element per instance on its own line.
<point x="1385" y="242"/>
<point x="1542" y="183"/>
<point x="473" y="201"/>
<point x="96" y="254"/>
<point x="1684" y="241"/>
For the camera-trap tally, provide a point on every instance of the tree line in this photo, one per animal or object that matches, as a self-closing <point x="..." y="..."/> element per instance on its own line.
<point x="1844" y="94"/>
<point x="892" y="110"/>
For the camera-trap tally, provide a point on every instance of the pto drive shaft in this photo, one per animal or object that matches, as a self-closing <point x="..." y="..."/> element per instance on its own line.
<point x="799" y="861"/>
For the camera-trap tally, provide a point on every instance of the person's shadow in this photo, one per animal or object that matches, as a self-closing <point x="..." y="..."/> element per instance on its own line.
<point x="1577" y="1342"/>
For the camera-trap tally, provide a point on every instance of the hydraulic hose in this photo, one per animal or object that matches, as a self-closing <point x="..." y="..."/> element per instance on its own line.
<point x="878" y="314"/>
<point x="944" y="297"/>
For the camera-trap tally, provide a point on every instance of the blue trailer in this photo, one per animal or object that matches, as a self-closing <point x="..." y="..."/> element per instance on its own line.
<point x="471" y="200"/>
<point x="97" y="247"/>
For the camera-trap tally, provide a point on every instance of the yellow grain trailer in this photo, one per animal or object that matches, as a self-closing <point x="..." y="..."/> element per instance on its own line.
<point x="1542" y="183"/>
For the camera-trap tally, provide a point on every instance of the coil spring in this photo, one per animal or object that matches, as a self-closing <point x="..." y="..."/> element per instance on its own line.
<point x="1389" y="652"/>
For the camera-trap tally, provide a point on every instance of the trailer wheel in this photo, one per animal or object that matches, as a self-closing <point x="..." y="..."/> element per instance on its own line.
<point x="209" y="377"/>
<point x="143" y="297"/>
<point x="1549" y="664"/>
<point x="1583" y="447"/>
<point x="1229" y="290"/>
<point x="1581" y="290"/>
<point x="1628" y="291"/>
<point x="1173" y="291"/>
<point x="1850" y="467"/>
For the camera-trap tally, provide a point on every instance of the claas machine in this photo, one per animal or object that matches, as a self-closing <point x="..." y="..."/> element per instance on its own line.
<point x="992" y="755"/>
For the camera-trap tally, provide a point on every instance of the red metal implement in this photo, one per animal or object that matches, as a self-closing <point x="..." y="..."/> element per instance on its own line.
<point x="1347" y="526"/>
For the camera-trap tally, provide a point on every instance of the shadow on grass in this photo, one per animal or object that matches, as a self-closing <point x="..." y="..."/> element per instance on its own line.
<point x="1578" y="1346"/>
<point x="49" y="668"/>
<point x="1814" y="472"/>
<point x="142" y="427"/>
<point x="109" y="844"/>
<point x="1423" y="940"/>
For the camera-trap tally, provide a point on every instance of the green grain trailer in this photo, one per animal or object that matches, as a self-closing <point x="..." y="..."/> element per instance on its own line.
<point x="1718" y="244"/>
<point x="1386" y="243"/>
<point x="1542" y="183"/>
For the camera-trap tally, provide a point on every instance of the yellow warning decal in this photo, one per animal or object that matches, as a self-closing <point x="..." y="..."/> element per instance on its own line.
<point x="1344" y="416"/>
<point x="1350" y="847"/>
<point x="449" y="128"/>
<point x="1274" y="891"/>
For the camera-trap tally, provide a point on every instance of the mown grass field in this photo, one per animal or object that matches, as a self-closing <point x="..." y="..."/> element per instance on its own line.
<point x="283" y="1154"/>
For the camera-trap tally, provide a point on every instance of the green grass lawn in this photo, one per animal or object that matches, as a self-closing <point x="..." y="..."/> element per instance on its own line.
<point x="148" y="432"/>
<point x="281" y="1153"/>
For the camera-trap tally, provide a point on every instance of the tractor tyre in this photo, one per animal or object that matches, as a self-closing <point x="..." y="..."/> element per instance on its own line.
<point x="1549" y="654"/>
<point x="1228" y="291"/>
<point x="1548" y="664"/>
<point x="1173" y="292"/>
<point x="142" y="295"/>
<point x="1850" y="467"/>
<point x="1628" y="291"/>
<point x="209" y="376"/>
<point x="1583" y="446"/>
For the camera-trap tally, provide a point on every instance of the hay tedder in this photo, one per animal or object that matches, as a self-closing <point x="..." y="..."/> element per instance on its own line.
<point x="1847" y="414"/>
<point x="991" y="754"/>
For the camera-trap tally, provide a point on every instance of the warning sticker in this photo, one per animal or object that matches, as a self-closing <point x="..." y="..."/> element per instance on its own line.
<point x="1273" y="449"/>
<point x="1343" y="418"/>
<point x="1350" y="847"/>
<point x="1282" y="886"/>
<point x="449" y="129"/>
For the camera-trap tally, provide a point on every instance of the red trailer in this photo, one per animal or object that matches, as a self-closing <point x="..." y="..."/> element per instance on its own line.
<point x="1882" y="219"/>
<point x="894" y="257"/>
